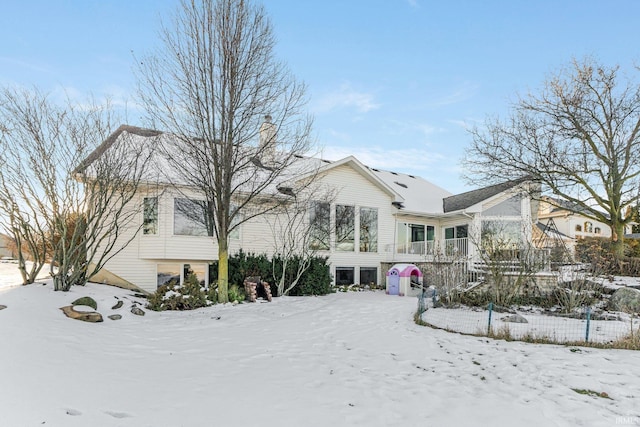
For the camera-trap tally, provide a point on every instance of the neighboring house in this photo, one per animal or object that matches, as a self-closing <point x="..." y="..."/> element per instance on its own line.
<point x="562" y="221"/>
<point x="376" y="218"/>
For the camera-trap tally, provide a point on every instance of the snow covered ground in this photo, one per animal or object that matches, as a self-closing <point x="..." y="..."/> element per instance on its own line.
<point x="354" y="359"/>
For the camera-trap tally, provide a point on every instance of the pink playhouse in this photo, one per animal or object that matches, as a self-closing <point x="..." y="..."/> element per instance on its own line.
<point x="404" y="279"/>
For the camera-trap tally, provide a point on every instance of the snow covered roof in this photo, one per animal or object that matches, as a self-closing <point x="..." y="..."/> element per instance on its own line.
<point x="410" y="193"/>
<point x="420" y="195"/>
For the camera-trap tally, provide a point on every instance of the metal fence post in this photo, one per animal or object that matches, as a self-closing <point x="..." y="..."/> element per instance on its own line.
<point x="586" y="336"/>
<point x="489" y="324"/>
<point x="421" y="304"/>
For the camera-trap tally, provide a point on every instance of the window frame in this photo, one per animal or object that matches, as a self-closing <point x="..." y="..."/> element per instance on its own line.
<point x="345" y="239"/>
<point x="370" y="246"/>
<point x="205" y="232"/>
<point x="146" y="221"/>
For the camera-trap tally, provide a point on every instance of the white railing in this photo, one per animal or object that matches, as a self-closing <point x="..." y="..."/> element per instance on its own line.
<point x="449" y="247"/>
<point x="456" y="247"/>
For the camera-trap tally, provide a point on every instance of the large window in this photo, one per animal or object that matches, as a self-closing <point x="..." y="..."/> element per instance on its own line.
<point x="176" y="273"/>
<point x="368" y="230"/>
<point x="319" y="221"/>
<point x="198" y="270"/>
<point x="457" y="232"/>
<point x="502" y="234"/>
<point x="168" y="273"/>
<point x="456" y="240"/>
<point x="192" y="218"/>
<point x="415" y="238"/>
<point x="150" y="215"/>
<point x="235" y="233"/>
<point x="345" y="228"/>
<point x="368" y="276"/>
<point x="345" y="276"/>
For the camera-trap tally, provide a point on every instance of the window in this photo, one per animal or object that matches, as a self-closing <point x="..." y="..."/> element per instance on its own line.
<point x="431" y="233"/>
<point x="150" y="215"/>
<point x="178" y="273"/>
<point x="319" y="221"/>
<point x="235" y="233"/>
<point x="368" y="276"/>
<point x="597" y="230"/>
<point x="168" y="273"/>
<point x="588" y="227"/>
<point x="579" y="228"/>
<point x="368" y="230"/>
<point x="345" y="228"/>
<point x="199" y="270"/>
<point x="501" y="233"/>
<point x="449" y="233"/>
<point x="455" y="240"/>
<point x="412" y="238"/>
<point x="344" y="276"/>
<point x="457" y="232"/>
<point x="192" y="218"/>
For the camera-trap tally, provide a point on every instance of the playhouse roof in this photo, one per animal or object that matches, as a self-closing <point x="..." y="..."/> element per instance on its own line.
<point x="406" y="270"/>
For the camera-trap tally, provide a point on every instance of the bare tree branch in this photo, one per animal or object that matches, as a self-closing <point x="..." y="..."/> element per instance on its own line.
<point x="210" y="87"/>
<point x="579" y="138"/>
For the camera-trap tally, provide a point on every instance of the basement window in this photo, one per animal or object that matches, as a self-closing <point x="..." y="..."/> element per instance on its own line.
<point x="345" y="276"/>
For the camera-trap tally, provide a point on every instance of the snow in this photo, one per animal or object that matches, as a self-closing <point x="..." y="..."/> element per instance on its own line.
<point x="346" y="359"/>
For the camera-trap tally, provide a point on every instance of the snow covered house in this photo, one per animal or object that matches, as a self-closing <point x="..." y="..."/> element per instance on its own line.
<point x="376" y="218"/>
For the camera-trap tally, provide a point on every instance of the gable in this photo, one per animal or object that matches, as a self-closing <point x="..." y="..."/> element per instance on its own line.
<point x="353" y="188"/>
<point x="510" y="207"/>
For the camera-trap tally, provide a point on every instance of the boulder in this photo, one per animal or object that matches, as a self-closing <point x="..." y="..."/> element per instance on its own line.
<point x="115" y="317"/>
<point x="137" y="311"/>
<point x="514" y="318"/>
<point x="625" y="299"/>
<point x="88" y="301"/>
<point x="117" y="306"/>
<point x="85" y="316"/>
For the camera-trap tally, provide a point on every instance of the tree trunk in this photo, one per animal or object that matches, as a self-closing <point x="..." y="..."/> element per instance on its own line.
<point x="617" y="239"/>
<point x="223" y="272"/>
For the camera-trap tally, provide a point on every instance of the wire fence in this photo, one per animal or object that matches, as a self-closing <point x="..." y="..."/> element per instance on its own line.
<point x="532" y="323"/>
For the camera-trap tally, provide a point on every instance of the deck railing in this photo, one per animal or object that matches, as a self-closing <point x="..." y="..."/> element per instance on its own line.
<point x="448" y="247"/>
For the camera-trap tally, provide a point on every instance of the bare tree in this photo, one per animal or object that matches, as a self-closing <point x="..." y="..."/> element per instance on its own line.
<point x="508" y="261"/>
<point x="294" y="227"/>
<point x="579" y="138"/>
<point x="67" y="205"/>
<point x="210" y="86"/>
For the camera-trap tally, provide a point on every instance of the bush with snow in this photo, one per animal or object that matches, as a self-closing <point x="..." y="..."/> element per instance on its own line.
<point x="188" y="296"/>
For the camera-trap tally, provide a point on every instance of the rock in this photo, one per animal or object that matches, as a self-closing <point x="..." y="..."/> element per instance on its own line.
<point x="115" y="316"/>
<point x="2" y="307"/>
<point x="88" y="301"/>
<point x="85" y="316"/>
<point x="625" y="299"/>
<point x="118" y="305"/>
<point x="137" y="311"/>
<point x="514" y="318"/>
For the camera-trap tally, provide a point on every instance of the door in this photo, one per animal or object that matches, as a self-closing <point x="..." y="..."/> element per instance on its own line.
<point x="393" y="282"/>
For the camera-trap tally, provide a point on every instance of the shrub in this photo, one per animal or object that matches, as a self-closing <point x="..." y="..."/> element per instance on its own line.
<point x="188" y="296"/>
<point x="236" y="294"/>
<point x="316" y="280"/>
